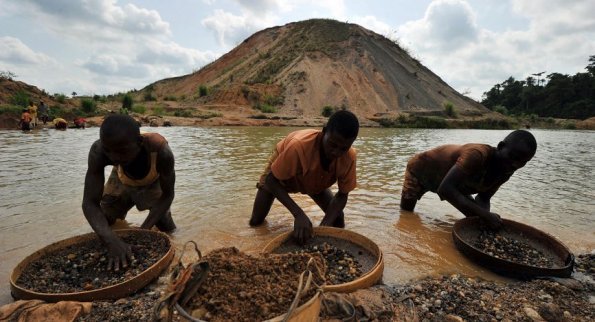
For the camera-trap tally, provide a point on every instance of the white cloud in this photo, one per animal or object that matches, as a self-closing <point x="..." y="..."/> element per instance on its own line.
<point x="260" y="5"/>
<point x="14" y="51"/>
<point x="376" y="25"/>
<point x="100" y="18"/>
<point x="446" y="26"/>
<point x="231" y="29"/>
<point x="466" y="56"/>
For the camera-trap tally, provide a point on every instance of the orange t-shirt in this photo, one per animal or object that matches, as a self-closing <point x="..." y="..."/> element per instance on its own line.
<point x="26" y="117"/>
<point x="299" y="169"/>
<point x="431" y="167"/>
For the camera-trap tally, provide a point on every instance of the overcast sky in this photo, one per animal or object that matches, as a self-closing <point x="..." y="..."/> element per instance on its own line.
<point x="109" y="46"/>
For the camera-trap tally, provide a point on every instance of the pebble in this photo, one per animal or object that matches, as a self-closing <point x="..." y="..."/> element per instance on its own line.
<point x="533" y="315"/>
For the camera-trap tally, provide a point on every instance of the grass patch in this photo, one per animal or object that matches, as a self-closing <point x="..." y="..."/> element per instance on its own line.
<point x="11" y="110"/>
<point x="266" y="108"/>
<point x="140" y="109"/>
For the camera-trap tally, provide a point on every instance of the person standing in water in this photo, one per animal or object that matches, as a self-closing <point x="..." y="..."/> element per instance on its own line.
<point x="456" y="172"/>
<point x="143" y="175"/>
<point x="310" y="162"/>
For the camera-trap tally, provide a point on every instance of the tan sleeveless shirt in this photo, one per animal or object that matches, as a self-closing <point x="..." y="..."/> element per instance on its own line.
<point x="152" y="143"/>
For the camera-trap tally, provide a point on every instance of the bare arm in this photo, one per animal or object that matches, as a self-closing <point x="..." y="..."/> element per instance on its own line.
<point x="449" y="191"/>
<point x="302" y="229"/>
<point x="93" y="192"/>
<point x="167" y="180"/>
<point x="118" y="252"/>
<point x="335" y="207"/>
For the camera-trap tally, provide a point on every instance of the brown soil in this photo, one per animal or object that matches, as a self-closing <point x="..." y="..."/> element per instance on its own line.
<point x="507" y="248"/>
<point x="83" y="266"/>
<point x="240" y="287"/>
<point x="443" y="298"/>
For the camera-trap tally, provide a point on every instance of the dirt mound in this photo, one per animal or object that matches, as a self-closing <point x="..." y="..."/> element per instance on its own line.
<point x="301" y="67"/>
<point x="11" y="90"/>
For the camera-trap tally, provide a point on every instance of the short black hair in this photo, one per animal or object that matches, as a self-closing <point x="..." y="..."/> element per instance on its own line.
<point x="522" y="137"/>
<point x="344" y="123"/>
<point x="119" y="125"/>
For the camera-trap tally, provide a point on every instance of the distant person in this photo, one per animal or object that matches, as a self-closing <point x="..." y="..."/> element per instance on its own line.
<point x="33" y="111"/>
<point x="25" y="122"/>
<point x="60" y="123"/>
<point x="456" y="172"/>
<point x="43" y="111"/>
<point x="310" y="162"/>
<point x="80" y="122"/>
<point x="142" y="175"/>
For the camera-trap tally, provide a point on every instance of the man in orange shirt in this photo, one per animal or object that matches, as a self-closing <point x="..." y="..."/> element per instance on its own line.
<point x="310" y="162"/>
<point x="456" y="172"/>
<point x="25" y="123"/>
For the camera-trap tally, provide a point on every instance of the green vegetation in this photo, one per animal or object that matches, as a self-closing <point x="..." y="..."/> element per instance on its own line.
<point x="60" y="98"/>
<point x="158" y="110"/>
<point x="11" y="110"/>
<point x="139" y="108"/>
<point x="183" y="113"/>
<point x="127" y="102"/>
<point x="274" y="100"/>
<point x="20" y="98"/>
<point x="88" y="106"/>
<point x="327" y="111"/>
<point x="170" y="98"/>
<point x="555" y="95"/>
<point x="149" y="97"/>
<point x="266" y="108"/>
<point x="203" y="90"/>
<point x="449" y="109"/>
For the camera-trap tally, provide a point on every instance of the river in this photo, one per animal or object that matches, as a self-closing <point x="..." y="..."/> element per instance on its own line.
<point x="42" y="175"/>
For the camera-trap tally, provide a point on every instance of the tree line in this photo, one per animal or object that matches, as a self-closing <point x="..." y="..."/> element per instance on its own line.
<point x="554" y="95"/>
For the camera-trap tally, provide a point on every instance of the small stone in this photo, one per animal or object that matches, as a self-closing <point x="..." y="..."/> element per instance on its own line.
<point x="418" y="288"/>
<point x="550" y="312"/>
<point x="71" y="256"/>
<point x="453" y="318"/>
<point x="533" y="315"/>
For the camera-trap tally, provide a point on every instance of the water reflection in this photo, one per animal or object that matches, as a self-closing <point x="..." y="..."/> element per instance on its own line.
<point x="42" y="174"/>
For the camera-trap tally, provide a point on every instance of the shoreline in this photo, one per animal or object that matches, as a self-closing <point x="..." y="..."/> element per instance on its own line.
<point x="422" y="122"/>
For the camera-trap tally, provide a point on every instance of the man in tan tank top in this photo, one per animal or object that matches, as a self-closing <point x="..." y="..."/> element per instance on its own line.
<point x="456" y="172"/>
<point x="143" y="176"/>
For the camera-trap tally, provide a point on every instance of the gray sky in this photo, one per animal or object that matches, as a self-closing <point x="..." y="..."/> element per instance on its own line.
<point x="109" y="46"/>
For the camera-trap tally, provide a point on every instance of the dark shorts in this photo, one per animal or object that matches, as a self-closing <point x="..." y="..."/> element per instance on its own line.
<point x="413" y="188"/>
<point x="118" y="199"/>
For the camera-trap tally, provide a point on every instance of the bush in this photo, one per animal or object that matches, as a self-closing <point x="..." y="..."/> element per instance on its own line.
<point x="203" y="90"/>
<point x="449" y="109"/>
<point x="61" y="98"/>
<point x="56" y="110"/>
<point x="266" y="108"/>
<point x="183" y="113"/>
<point x="500" y="109"/>
<point x="88" y="106"/>
<point x="11" y="110"/>
<point x="127" y="102"/>
<point x="20" y="98"/>
<point x="158" y="110"/>
<point x="138" y="108"/>
<point x="170" y="98"/>
<point x="149" y="97"/>
<point x="274" y="100"/>
<point x="327" y="111"/>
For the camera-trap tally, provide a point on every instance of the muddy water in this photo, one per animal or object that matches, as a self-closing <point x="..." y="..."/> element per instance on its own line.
<point x="42" y="173"/>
